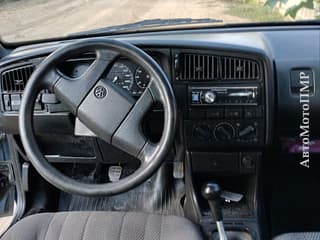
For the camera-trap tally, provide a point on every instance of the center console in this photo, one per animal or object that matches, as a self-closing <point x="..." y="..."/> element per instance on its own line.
<point x="224" y="117"/>
<point x="225" y="125"/>
<point x="224" y="109"/>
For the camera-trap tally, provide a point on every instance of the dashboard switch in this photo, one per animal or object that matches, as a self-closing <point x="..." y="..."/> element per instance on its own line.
<point x="250" y="113"/>
<point x="249" y="161"/>
<point x="215" y="113"/>
<point x="6" y="102"/>
<point x="234" y="113"/>
<point x="15" y="102"/>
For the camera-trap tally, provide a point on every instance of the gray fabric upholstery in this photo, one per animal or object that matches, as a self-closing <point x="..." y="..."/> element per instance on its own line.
<point x="299" y="236"/>
<point x="102" y="226"/>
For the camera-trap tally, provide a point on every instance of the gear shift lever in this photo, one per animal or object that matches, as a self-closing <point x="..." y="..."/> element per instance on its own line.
<point x="211" y="192"/>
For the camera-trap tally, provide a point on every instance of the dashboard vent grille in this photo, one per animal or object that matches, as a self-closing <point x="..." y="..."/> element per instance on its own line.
<point x="14" y="80"/>
<point x="203" y="67"/>
<point x="239" y="69"/>
<point x="198" y="67"/>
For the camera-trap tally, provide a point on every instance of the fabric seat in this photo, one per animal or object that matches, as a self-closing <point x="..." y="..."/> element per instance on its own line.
<point x="102" y="226"/>
<point x="299" y="236"/>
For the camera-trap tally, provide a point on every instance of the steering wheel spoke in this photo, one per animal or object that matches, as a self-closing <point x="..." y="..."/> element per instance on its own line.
<point x="72" y="91"/>
<point x="129" y="136"/>
<point x="98" y="67"/>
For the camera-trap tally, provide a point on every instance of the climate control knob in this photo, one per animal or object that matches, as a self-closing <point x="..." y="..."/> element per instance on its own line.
<point x="209" y="97"/>
<point x="224" y="132"/>
<point x="202" y="132"/>
<point x="248" y="132"/>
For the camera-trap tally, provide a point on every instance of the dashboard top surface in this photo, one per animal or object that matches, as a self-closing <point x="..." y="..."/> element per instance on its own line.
<point x="264" y="40"/>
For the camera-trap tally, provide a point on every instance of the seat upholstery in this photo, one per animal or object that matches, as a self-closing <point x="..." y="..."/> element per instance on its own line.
<point x="102" y="226"/>
<point x="299" y="236"/>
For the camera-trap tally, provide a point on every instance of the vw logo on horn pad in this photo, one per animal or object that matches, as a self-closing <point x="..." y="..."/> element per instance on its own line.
<point x="100" y="92"/>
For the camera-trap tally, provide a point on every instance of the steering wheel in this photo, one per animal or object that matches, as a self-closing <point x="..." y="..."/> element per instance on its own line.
<point x="108" y="111"/>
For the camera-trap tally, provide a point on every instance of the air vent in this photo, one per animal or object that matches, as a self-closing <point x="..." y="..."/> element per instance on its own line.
<point x="14" y="80"/>
<point x="198" y="67"/>
<point x="203" y="67"/>
<point x="233" y="68"/>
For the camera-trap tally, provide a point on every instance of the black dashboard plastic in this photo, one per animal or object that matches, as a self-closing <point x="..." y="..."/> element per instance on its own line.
<point x="292" y="51"/>
<point x="270" y="44"/>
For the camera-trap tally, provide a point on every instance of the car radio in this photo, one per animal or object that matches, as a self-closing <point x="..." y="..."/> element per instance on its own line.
<point x="224" y="95"/>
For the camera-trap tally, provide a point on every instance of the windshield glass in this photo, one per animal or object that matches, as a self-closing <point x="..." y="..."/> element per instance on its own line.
<point x="23" y="20"/>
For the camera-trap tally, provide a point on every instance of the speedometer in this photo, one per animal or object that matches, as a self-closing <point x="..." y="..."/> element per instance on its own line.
<point x="142" y="78"/>
<point x="122" y="76"/>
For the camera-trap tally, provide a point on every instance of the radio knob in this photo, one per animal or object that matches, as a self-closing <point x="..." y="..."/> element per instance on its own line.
<point x="209" y="97"/>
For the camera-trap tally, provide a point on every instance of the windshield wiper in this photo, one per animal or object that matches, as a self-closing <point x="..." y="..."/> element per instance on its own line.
<point x="149" y="24"/>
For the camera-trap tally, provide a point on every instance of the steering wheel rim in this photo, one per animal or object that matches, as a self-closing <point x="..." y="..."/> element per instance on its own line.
<point x="159" y="89"/>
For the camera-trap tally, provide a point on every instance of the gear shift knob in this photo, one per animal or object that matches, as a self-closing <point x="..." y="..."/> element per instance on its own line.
<point x="211" y="192"/>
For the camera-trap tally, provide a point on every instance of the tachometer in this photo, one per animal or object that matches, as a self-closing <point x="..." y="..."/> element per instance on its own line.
<point x="121" y="75"/>
<point x="142" y="78"/>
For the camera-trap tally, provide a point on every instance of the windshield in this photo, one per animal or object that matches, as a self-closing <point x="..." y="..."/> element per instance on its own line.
<point x="24" y="20"/>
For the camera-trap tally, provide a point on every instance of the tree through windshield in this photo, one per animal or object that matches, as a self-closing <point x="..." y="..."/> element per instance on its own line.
<point x="23" y="20"/>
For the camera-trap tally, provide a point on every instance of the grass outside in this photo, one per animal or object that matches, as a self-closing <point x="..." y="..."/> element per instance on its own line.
<point x="253" y="10"/>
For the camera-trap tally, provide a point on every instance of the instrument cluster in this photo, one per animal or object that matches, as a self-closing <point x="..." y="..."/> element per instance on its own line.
<point x="129" y="76"/>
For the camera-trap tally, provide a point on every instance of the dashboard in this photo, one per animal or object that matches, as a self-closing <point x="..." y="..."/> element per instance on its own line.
<point x="234" y="88"/>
